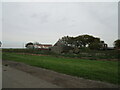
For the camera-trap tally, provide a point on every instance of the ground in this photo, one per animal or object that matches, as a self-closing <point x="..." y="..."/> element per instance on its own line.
<point x="48" y="78"/>
<point x="105" y="71"/>
<point x="13" y="78"/>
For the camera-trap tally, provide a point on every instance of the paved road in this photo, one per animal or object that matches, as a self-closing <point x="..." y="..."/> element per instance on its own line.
<point x="13" y="78"/>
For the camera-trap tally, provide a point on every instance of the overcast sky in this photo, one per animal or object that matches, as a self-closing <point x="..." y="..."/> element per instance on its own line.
<point x="47" y="22"/>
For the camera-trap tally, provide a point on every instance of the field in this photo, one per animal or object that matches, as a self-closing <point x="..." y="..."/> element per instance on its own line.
<point x="106" y="71"/>
<point x="89" y="54"/>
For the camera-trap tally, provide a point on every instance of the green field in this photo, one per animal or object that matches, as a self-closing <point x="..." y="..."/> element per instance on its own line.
<point x="106" y="71"/>
<point x="89" y="54"/>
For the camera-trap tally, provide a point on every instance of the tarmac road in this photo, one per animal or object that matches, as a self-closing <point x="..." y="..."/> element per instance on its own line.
<point x="13" y="78"/>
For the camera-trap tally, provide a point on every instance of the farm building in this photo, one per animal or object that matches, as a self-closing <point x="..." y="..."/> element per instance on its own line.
<point x="43" y="46"/>
<point x="39" y="46"/>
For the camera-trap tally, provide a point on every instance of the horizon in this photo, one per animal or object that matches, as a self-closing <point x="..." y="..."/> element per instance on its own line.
<point x="22" y="45"/>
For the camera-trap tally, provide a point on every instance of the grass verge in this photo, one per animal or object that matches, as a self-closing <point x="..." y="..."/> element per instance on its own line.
<point x="106" y="71"/>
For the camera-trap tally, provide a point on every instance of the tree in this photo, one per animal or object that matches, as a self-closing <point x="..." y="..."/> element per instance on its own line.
<point x="29" y="45"/>
<point x="86" y="40"/>
<point x="80" y="42"/>
<point x="36" y="45"/>
<point x="117" y="43"/>
<point x="95" y="46"/>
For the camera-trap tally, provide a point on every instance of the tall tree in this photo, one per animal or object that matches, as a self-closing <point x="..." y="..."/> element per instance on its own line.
<point x="81" y="41"/>
<point x="85" y="40"/>
<point x="36" y="43"/>
<point x="29" y="45"/>
<point x="117" y="43"/>
<point x="95" y="46"/>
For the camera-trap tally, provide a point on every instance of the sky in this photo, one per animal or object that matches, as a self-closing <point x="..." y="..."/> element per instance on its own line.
<point x="46" y="22"/>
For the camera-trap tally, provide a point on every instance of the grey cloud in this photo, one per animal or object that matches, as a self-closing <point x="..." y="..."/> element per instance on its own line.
<point x="41" y="17"/>
<point x="47" y="22"/>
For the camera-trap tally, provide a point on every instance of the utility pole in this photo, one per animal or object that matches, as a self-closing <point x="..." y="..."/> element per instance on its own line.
<point x="0" y="43"/>
<point x="23" y="45"/>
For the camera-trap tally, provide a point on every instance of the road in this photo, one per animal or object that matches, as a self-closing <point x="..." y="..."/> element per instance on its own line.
<point x="13" y="78"/>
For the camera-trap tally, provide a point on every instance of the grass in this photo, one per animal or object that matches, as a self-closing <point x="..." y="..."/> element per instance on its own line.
<point x="106" y="71"/>
<point x="90" y="54"/>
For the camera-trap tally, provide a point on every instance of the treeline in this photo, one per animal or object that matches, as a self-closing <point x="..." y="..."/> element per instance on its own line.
<point x="82" y="41"/>
<point x="69" y="44"/>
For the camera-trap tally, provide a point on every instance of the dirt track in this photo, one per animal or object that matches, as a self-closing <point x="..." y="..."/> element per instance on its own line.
<point x="58" y="79"/>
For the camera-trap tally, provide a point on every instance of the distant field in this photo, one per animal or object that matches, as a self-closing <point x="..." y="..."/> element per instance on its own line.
<point x="89" y="54"/>
<point x="106" y="71"/>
